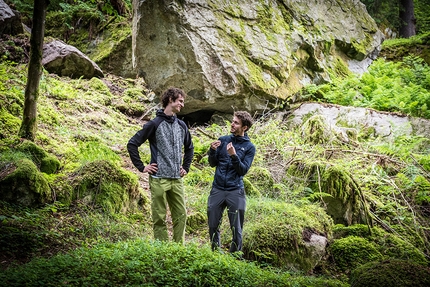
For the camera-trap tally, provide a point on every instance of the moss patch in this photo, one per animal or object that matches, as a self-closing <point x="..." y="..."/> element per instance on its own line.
<point x="393" y="272"/>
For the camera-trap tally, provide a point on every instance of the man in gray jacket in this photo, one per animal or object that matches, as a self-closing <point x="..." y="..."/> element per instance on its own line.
<point x="168" y="136"/>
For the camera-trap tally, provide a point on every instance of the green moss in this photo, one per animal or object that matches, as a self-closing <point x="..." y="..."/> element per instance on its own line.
<point x="389" y="245"/>
<point x="250" y="189"/>
<point x="389" y="273"/>
<point x="10" y="124"/>
<point x="274" y="232"/>
<point x="46" y="162"/>
<point x="262" y="180"/>
<point x="353" y="251"/>
<point x="104" y="184"/>
<point x="315" y="130"/>
<point x="61" y="188"/>
<point x="117" y="33"/>
<point x="24" y="184"/>
<point x="360" y="230"/>
<point x="59" y="89"/>
<point x="33" y="151"/>
<point x="195" y="221"/>
<point x="49" y="164"/>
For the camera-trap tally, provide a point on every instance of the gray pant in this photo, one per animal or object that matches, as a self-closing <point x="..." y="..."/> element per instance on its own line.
<point x="235" y="202"/>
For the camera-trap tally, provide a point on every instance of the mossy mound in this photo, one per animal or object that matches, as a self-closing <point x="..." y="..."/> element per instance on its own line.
<point x="46" y="162"/>
<point x="279" y="234"/>
<point x="353" y="251"/>
<point x="102" y="183"/>
<point x="262" y="182"/>
<point x="388" y="273"/>
<point x="22" y="183"/>
<point x="358" y="244"/>
<point x="250" y="188"/>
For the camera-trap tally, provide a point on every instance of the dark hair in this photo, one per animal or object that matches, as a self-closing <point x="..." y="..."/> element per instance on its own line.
<point x="171" y="94"/>
<point x="245" y="118"/>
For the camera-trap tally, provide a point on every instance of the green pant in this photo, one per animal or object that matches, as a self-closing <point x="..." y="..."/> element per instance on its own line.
<point x="171" y="191"/>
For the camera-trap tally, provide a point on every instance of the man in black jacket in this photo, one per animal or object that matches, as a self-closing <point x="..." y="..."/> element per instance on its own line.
<point x="232" y="155"/>
<point x="167" y="136"/>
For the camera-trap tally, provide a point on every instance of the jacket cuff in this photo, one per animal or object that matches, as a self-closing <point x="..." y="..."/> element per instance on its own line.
<point x="234" y="157"/>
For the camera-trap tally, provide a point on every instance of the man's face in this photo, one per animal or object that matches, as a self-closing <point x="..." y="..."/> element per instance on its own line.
<point x="236" y="127"/>
<point x="178" y="104"/>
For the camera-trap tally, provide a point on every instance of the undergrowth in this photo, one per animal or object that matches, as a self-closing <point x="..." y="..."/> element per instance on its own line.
<point x="402" y="87"/>
<point x="146" y="263"/>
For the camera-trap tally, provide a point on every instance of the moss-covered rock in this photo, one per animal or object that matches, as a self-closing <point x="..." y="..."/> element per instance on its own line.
<point x="261" y="180"/>
<point x="22" y="183"/>
<point x="358" y="244"/>
<point x="46" y="162"/>
<point x="195" y="221"/>
<point x="281" y="234"/>
<point x="250" y="188"/>
<point x="353" y="251"/>
<point x="389" y="273"/>
<point x="104" y="184"/>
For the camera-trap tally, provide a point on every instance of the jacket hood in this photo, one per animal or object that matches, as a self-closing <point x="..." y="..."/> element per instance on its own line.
<point x="169" y="119"/>
<point x="244" y="138"/>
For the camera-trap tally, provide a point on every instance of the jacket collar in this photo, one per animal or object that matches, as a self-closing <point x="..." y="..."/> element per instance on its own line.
<point x="169" y="119"/>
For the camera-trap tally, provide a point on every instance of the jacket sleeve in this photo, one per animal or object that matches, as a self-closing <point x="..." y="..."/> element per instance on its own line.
<point x="242" y="166"/>
<point x="213" y="156"/>
<point x="136" y="141"/>
<point x="188" y="151"/>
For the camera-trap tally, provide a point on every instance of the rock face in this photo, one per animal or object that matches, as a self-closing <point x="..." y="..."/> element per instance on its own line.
<point x="249" y="55"/>
<point x="10" y="20"/>
<point x="342" y="119"/>
<point x="65" y="60"/>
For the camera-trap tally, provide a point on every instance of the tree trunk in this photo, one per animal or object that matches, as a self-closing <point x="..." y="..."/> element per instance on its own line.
<point x="407" y="18"/>
<point x="28" y="126"/>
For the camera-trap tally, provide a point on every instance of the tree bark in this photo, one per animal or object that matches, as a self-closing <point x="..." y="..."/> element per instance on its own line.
<point x="407" y="18"/>
<point x="28" y="127"/>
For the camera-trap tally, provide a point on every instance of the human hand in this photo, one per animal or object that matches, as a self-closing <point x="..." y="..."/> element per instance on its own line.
<point x="182" y="172"/>
<point x="215" y="144"/>
<point x="151" y="168"/>
<point x="230" y="149"/>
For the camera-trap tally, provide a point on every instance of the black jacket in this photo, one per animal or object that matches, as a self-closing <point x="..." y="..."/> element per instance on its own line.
<point x="231" y="169"/>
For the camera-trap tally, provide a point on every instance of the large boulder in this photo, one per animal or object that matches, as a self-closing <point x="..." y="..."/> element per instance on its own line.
<point x="249" y="55"/>
<point x="10" y="20"/>
<point x="348" y="121"/>
<point x="65" y="60"/>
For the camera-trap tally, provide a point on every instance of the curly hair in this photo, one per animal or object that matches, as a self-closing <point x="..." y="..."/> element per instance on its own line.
<point x="245" y="117"/>
<point x="171" y="94"/>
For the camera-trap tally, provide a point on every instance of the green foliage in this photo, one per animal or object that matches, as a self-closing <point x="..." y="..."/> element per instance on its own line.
<point x="386" y="86"/>
<point x="423" y="18"/>
<point x="386" y="14"/>
<point x="143" y="263"/>
<point x="388" y="273"/>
